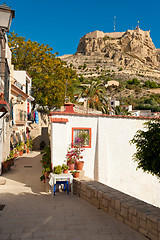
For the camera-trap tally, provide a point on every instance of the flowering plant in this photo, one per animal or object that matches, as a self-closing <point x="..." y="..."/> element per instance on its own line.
<point x="82" y="139"/>
<point x="46" y="161"/>
<point x="74" y="154"/>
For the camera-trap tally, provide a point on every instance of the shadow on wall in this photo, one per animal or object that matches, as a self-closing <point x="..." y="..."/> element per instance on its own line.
<point x="42" y="140"/>
<point x="96" y="169"/>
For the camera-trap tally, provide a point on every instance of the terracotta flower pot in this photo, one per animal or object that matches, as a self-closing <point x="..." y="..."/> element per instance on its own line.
<point x="46" y="174"/>
<point x="76" y="175"/>
<point x="71" y="166"/>
<point x="79" y="165"/>
<point x="15" y="155"/>
<point x="27" y="150"/>
<point x="10" y="162"/>
<point x="65" y="171"/>
<point x="20" y="153"/>
<point x="5" y="166"/>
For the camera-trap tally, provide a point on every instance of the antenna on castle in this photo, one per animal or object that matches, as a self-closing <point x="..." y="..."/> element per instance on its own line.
<point x="114" y="23"/>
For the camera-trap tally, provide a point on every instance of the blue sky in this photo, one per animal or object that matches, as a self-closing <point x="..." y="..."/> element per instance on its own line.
<point x="61" y="23"/>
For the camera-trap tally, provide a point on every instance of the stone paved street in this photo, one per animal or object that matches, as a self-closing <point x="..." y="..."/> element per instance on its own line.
<point x="31" y="213"/>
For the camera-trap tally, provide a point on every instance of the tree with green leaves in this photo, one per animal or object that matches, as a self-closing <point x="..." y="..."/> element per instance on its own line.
<point x="121" y="111"/>
<point x="94" y="92"/>
<point x="147" y="143"/>
<point x="49" y="74"/>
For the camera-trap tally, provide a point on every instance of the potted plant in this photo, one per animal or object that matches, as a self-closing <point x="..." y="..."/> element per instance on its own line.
<point x="46" y="172"/>
<point x="71" y="157"/>
<point x="80" y="141"/>
<point x="15" y="152"/>
<point x="75" y="173"/>
<point x="65" y="168"/>
<point x="29" y="145"/>
<point x="11" y="157"/>
<point x="20" y="148"/>
<point x="79" y="162"/>
<point x="5" y="166"/>
<point x="46" y="163"/>
<point x="57" y="169"/>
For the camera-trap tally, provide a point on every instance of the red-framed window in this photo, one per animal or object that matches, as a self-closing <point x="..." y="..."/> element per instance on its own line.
<point x="75" y="134"/>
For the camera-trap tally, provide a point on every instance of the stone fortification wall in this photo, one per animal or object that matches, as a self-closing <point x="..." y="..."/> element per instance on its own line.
<point x="114" y="34"/>
<point x="95" y="34"/>
<point x="142" y="217"/>
<point x="100" y="34"/>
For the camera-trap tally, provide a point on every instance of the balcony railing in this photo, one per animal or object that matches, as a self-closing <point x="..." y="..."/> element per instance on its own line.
<point x="18" y="84"/>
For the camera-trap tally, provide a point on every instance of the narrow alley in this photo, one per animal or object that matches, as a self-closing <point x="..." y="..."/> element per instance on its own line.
<point x="30" y="212"/>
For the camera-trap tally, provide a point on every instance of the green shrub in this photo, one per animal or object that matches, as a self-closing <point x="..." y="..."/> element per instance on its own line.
<point x="57" y="169"/>
<point x="147" y="143"/>
<point x="46" y="161"/>
<point x="149" y="84"/>
<point x="84" y="66"/>
<point x="134" y="81"/>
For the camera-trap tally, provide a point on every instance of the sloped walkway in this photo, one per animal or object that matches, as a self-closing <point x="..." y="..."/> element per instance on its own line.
<point x="30" y="212"/>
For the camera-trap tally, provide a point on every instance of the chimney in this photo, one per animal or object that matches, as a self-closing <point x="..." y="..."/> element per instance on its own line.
<point x="85" y="103"/>
<point x="69" y="108"/>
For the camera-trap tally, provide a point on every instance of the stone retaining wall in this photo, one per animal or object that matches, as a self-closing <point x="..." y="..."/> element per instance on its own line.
<point x="137" y="214"/>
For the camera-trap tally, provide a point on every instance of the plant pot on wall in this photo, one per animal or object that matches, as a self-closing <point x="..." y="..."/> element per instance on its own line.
<point x="65" y="171"/>
<point x="76" y="174"/>
<point x="71" y="166"/>
<point x="5" y="166"/>
<point x="20" y="153"/>
<point x="11" y="162"/>
<point x="79" y="165"/>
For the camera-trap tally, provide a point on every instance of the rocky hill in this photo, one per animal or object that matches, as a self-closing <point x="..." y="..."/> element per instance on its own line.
<point x="133" y="48"/>
<point x="119" y="57"/>
<point x="129" y="53"/>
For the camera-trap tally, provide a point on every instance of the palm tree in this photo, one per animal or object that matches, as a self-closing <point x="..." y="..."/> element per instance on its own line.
<point x="94" y="92"/>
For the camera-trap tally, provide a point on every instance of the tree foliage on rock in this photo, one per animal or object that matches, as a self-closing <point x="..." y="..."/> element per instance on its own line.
<point x="49" y="75"/>
<point x="147" y="143"/>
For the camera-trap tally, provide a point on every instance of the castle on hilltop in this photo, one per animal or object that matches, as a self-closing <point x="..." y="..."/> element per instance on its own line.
<point x="100" y="34"/>
<point x="131" y="48"/>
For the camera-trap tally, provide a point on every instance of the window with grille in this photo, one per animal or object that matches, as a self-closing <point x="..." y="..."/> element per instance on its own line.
<point x="77" y="137"/>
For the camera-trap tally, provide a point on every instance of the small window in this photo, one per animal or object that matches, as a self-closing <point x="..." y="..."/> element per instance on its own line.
<point x="77" y="134"/>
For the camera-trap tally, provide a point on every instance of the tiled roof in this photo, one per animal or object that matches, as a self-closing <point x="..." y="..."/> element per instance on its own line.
<point x="59" y="120"/>
<point x="101" y="115"/>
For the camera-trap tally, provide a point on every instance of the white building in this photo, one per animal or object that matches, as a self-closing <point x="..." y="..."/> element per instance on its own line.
<point x="21" y="84"/>
<point x="108" y="159"/>
<point x="127" y="107"/>
<point x="114" y="102"/>
<point x="5" y="66"/>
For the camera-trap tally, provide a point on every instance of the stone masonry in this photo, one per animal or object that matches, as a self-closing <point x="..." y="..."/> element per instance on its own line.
<point x="142" y="217"/>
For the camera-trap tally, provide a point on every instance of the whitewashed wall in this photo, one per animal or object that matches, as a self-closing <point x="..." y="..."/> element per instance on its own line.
<point x="1" y="144"/>
<point x="109" y="160"/>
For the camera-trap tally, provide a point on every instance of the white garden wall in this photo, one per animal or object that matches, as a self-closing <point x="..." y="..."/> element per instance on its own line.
<point x="109" y="160"/>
